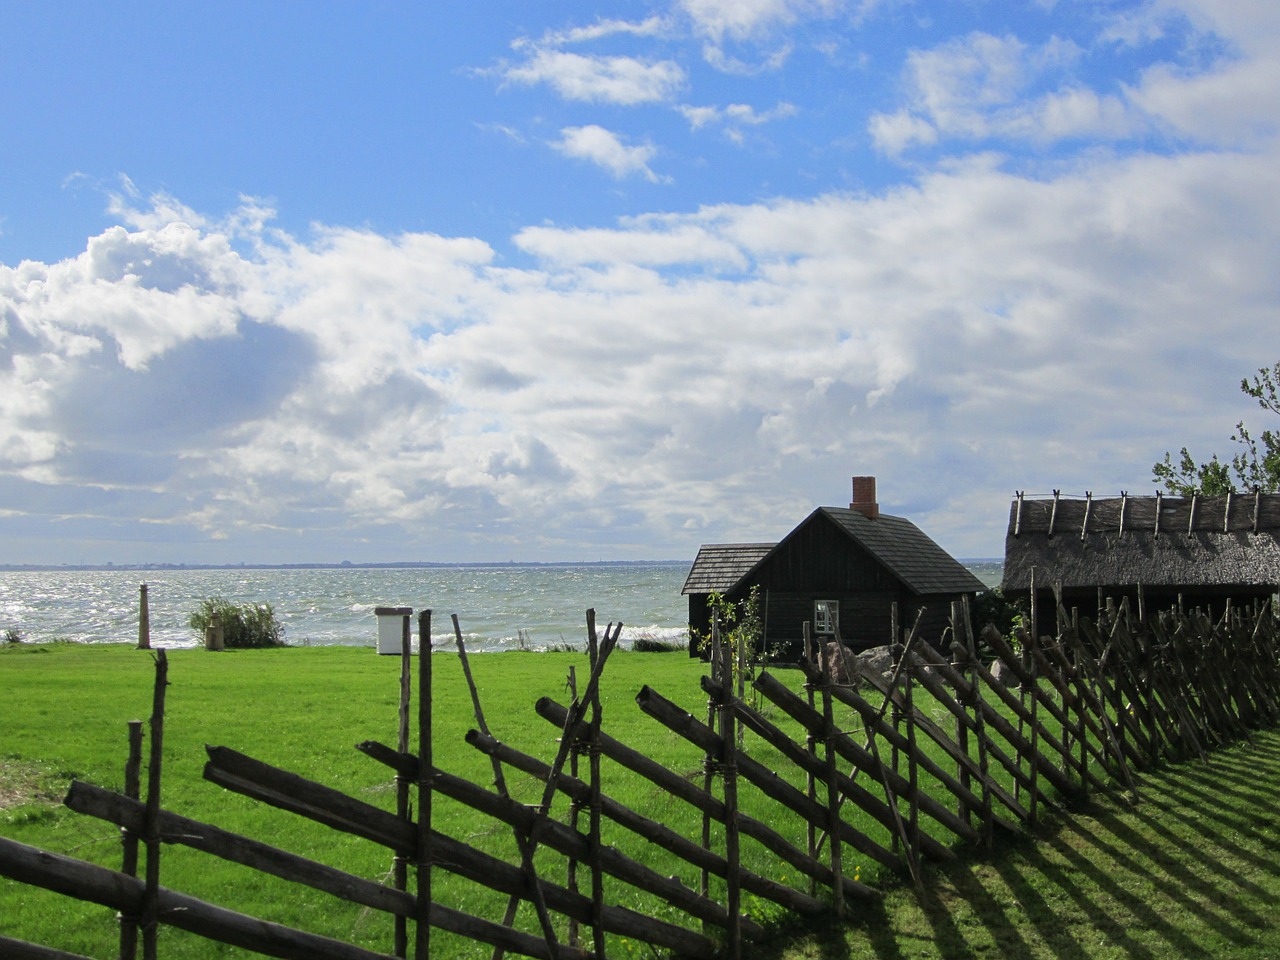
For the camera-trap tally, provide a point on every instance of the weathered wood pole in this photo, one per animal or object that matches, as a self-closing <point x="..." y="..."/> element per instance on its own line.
<point x="833" y="791"/>
<point x="593" y="807"/>
<point x="422" y="940"/>
<point x="129" y="838"/>
<point x="729" y="774"/>
<point x="144" y="620"/>
<point x="811" y="747"/>
<point x="708" y="759"/>
<point x="149" y="914"/>
<point x="575" y="812"/>
<point x="400" y="864"/>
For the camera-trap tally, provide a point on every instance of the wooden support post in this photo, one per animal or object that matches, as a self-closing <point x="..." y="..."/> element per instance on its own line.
<point x="400" y="863"/>
<point x="129" y="838"/>
<point x="149" y="914"/>
<point x="422" y="939"/>
<point x="575" y="812"/>
<point x="144" y="619"/>
<point x="811" y="746"/>
<point x="708" y="760"/>
<point x="593" y="808"/>
<point x="833" y="792"/>
<point x="729" y="776"/>
<point x="913" y="766"/>
<point x="962" y="741"/>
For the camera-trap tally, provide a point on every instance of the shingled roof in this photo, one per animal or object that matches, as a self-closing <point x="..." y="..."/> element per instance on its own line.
<point x="907" y="552"/>
<point x="898" y="545"/>
<point x="720" y="566"/>
<point x="1157" y="541"/>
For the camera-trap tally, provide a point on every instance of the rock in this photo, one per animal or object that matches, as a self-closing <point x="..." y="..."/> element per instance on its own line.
<point x="878" y="660"/>
<point x="1001" y="672"/>
<point x="841" y="658"/>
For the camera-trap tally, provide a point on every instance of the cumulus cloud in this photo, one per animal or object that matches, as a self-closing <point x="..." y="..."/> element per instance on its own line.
<point x="607" y="150"/>
<point x="734" y="117"/>
<point x="614" y="79"/>
<point x="744" y="19"/>
<point x="672" y="379"/>
<point x="982" y="87"/>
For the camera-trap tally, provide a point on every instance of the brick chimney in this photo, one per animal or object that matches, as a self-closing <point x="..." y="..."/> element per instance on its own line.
<point x="864" y="497"/>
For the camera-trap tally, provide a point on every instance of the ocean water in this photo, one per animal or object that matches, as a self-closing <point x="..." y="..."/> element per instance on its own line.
<point x="500" y="607"/>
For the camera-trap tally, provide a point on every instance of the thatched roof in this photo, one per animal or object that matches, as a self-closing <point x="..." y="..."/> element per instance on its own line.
<point x="1228" y="541"/>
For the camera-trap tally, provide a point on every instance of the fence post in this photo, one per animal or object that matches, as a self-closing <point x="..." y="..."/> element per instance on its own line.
<point x="149" y="919"/>
<point x="709" y="760"/>
<point x="400" y="864"/>
<point x="913" y="768"/>
<point x="575" y="809"/>
<point x="811" y="747"/>
<point x="729" y="773"/>
<point x="144" y="619"/>
<point x="129" y="839"/>
<point x="426" y="771"/>
<point x="593" y="813"/>
<point x="833" y="793"/>
<point x="962" y="740"/>
<point x="984" y="762"/>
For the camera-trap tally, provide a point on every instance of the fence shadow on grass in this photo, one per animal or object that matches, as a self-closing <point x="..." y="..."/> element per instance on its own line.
<point x="1190" y="871"/>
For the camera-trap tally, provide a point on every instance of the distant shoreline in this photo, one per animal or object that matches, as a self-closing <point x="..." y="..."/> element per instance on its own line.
<point x="348" y="565"/>
<point x="344" y="565"/>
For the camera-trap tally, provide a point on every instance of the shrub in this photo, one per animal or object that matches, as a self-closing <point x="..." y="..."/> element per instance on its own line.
<point x="12" y="636"/>
<point x="654" y="645"/>
<point x="243" y="625"/>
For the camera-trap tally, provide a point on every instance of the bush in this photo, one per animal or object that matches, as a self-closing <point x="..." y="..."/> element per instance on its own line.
<point x="247" y="625"/>
<point x="1004" y="614"/>
<point x="654" y="645"/>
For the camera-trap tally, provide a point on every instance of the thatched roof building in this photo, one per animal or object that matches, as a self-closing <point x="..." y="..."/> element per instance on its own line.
<point x="1197" y="550"/>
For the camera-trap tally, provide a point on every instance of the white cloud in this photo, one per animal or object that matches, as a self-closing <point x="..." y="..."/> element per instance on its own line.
<point x="605" y="148"/>
<point x="649" y="27"/>
<point x="679" y="377"/>
<point x="1217" y="87"/>
<point x="745" y="19"/>
<point x="735" y="116"/>
<point x="622" y="80"/>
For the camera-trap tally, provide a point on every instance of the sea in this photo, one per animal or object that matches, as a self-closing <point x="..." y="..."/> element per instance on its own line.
<point x="499" y="607"/>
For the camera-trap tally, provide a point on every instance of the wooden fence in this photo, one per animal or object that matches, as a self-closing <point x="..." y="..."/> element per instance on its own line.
<point x="941" y="756"/>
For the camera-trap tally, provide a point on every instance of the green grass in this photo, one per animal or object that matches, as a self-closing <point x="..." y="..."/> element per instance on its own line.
<point x="65" y="713"/>
<point x="1186" y="872"/>
<point x="1191" y="870"/>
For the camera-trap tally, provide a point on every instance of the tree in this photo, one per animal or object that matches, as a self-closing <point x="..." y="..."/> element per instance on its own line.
<point x="1256" y="466"/>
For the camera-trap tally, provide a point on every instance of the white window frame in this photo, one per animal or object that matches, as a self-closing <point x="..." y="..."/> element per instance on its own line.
<point x="826" y="617"/>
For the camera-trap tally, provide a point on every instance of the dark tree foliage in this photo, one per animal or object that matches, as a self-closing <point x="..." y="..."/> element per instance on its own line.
<point x="1255" y="467"/>
<point x="993" y="607"/>
<point x="243" y="625"/>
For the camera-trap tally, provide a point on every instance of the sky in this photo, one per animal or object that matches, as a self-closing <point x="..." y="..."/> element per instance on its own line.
<point x="286" y="282"/>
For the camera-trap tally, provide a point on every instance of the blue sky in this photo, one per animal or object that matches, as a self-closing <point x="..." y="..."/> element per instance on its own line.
<point x="541" y="281"/>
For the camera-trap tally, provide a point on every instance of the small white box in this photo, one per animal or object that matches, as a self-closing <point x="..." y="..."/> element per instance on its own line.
<point x="392" y="626"/>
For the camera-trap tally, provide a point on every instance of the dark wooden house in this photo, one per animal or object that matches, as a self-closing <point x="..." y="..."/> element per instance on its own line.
<point x="841" y="570"/>
<point x="1200" y="551"/>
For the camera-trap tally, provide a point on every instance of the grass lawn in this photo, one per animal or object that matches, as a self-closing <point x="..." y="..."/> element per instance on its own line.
<point x="1189" y="871"/>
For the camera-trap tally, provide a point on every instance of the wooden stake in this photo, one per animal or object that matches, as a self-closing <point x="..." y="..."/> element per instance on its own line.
<point x="425" y="859"/>
<point x="148" y="916"/>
